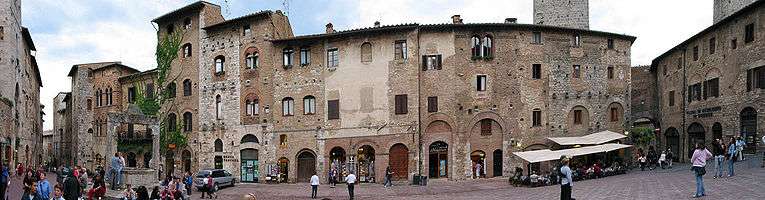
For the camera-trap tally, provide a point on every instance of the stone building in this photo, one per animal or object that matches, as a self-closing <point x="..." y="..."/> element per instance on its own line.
<point x="711" y="85"/>
<point x="135" y="140"/>
<point x="724" y="8"/>
<point x="19" y="89"/>
<point x="62" y="129"/>
<point x="96" y="91"/>
<point x="49" y="148"/>
<point x="564" y="13"/>
<point x="645" y="109"/>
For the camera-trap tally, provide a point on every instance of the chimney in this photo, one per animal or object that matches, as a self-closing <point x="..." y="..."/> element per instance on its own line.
<point x="329" y="28"/>
<point x="456" y="19"/>
<point x="377" y="24"/>
<point x="511" y="20"/>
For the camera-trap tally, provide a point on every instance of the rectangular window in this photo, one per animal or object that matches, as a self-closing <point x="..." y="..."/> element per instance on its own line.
<point x="679" y="62"/>
<point x="246" y="30"/>
<point x="712" y="44"/>
<point x="610" y="43"/>
<point x="486" y="127"/>
<point x="250" y="107"/>
<point x="577" y="40"/>
<point x="671" y="98"/>
<point x="749" y="80"/>
<point x="2" y="33"/>
<point x="712" y="87"/>
<point x="536" y="37"/>
<point x="333" y="59"/>
<point x="401" y="104"/>
<point x="577" y="117"/>
<point x="305" y="56"/>
<point x="400" y="50"/>
<point x="755" y="78"/>
<point x="614" y="115"/>
<point x="577" y="71"/>
<point x="749" y="33"/>
<point x="536" y="118"/>
<point x="536" y="71"/>
<point x="283" y="140"/>
<point x="610" y="72"/>
<point x="432" y="104"/>
<point x="694" y="92"/>
<point x="734" y="43"/>
<point x="150" y="91"/>
<point x="695" y="53"/>
<point x="481" y="81"/>
<point x="431" y="62"/>
<point x="131" y="94"/>
<point x="333" y="109"/>
<point x="288" y="106"/>
<point x="287" y="57"/>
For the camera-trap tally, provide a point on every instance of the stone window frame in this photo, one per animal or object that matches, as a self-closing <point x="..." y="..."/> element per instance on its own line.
<point x="431" y="62"/>
<point x="486" y="126"/>
<point x="171" y="89"/>
<point x="536" y="117"/>
<point x="577" y="117"/>
<point x="333" y="58"/>
<point x="695" y="53"/>
<point x="2" y="33"/>
<point x="252" y="105"/>
<point x="734" y="43"/>
<point x="366" y="55"/>
<point x="188" y="121"/>
<point x="187" y="87"/>
<point x="481" y="82"/>
<point x="283" y="140"/>
<point x="433" y="104"/>
<point x="186" y="50"/>
<point x="219" y="65"/>
<point x="218" y="108"/>
<point x="288" y="106"/>
<point x="305" y="56"/>
<point x="536" y="71"/>
<point x="401" y="104"/>
<point x="749" y="34"/>
<point x="187" y="23"/>
<point x="400" y="50"/>
<point x="576" y="40"/>
<point x="333" y="109"/>
<point x="288" y="54"/>
<point x="610" y="72"/>
<point x="475" y="47"/>
<point x="98" y="96"/>
<point x="711" y="88"/>
<point x="536" y="37"/>
<point x="246" y="30"/>
<point x="487" y="46"/>
<point x="671" y="98"/>
<point x="131" y="97"/>
<point x="309" y="105"/>
<point x="576" y="71"/>
<point x="610" y="44"/>
<point x="218" y="145"/>
<point x="251" y="58"/>
<point x="712" y="45"/>
<point x="172" y="122"/>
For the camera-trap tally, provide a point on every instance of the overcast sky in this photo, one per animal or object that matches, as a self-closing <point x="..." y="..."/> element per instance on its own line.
<point x="68" y="32"/>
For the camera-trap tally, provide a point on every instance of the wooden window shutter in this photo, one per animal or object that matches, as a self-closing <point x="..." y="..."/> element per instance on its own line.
<point x="438" y="62"/>
<point x="401" y="104"/>
<point x="432" y="104"/>
<point x="333" y="109"/>
<point x="424" y="63"/>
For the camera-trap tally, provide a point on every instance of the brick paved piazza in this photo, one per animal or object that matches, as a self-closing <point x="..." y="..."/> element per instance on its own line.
<point x="677" y="183"/>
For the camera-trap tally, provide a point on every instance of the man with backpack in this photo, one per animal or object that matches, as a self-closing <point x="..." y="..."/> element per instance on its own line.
<point x="209" y="187"/>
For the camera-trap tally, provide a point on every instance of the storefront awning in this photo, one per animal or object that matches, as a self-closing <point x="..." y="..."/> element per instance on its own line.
<point x="548" y="155"/>
<point x="591" y="139"/>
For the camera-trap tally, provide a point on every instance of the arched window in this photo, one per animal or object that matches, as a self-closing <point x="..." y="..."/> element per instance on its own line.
<point x="171" y="122"/>
<point x="475" y="44"/>
<point x="219" y="61"/>
<point x="218" y="145"/>
<point x="249" y="138"/>
<point x="218" y="108"/>
<point x="287" y="106"/>
<point x="366" y="52"/>
<point x="187" y="87"/>
<point x="98" y="95"/>
<point x="309" y="105"/>
<point x="251" y="60"/>
<point x="109" y="95"/>
<point x="487" y="49"/>
<point x="187" y="126"/>
<point x="171" y="90"/>
<point x="187" y="50"/>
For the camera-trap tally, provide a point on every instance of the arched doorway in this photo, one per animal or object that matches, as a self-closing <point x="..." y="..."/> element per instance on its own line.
<point x="249" y="165"/>
<point x="146" y="159"/>
<point x="438" y="160"/>
<point x="365" y="157"/>
<point x="169" y="163"/>
<point x="186" y="158"/>
<point x="748" y="118"/>
<point x="131" y="162"/>
<point x="673" y="142"/>
<point x="497" y="162"/>
<point x="717" y="131"/>
<point x="478" y="166"/>
<point x="306" y="166"/>
<point x="283" y="173"/>
<point x="399" y="161"/>
<point x="337" y="161"/>
<point x="696" y="134"/>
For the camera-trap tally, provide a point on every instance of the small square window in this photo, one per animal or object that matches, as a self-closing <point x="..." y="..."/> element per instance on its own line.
<point x="481" y="81"/>
<point x="610" y="43"/>
<point x="536" y="37"/>
<point x="577" y="71"/>
<point x="246" y="30"/>
<point x="432" y="104"/>
<point x="536" y="71"/>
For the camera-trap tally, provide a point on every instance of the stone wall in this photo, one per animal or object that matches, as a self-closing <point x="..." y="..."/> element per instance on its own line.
<point x="644" y="97"/>
<point x="724" y="8"/>
<point x="565" y="13"/>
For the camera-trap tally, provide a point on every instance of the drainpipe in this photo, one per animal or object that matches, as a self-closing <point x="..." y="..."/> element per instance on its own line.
<point x="419" y="107"/>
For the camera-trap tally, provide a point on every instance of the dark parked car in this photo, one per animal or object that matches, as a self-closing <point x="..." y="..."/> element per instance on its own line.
<point x="220" y="177"/>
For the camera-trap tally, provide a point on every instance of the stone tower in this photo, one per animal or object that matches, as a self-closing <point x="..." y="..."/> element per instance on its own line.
<point x="724" y="8"/>
<point x="10" y="45"/>
<point x="564" y="13"/>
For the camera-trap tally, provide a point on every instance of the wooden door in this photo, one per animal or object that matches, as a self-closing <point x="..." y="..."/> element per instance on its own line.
<point x="306" y="166"/>
<point x="399" y="161"/>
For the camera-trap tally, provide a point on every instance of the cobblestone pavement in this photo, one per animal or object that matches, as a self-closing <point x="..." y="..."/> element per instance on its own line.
<point x="16" y="188"/>
<point x="676" y="183"/>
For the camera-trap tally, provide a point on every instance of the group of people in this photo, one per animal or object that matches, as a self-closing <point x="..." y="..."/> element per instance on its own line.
<point x="651" y="160"/>
<point x="350" y="180"/>
<point x="582" y="172"/>
<point x="729" y="153"/>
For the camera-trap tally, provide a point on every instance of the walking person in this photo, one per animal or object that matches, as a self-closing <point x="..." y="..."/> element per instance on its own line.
<point x="350" y="180"/>
<point x="566" y="182"/>
<point x="477" y="170"/>
<point x="388" y="177"/>
<point x="731" y="156"/>
<point x="719" y="155"/>
<point x="115" y="171"/>
<point x="332" y="177"/>
<point x="699" y="160"/>
<point x="5" y="180"/>
<point x="314" y="185"/>
<point x="189" y="181"/>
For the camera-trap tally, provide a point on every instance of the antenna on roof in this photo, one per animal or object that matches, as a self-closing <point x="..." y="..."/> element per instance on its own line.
<point x="286" y="7"/>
